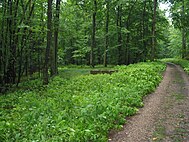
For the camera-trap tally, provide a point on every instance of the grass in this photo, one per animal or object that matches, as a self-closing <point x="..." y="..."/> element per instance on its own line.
<point x="82" y="108"/>
<point x="159" y="134"/>
<point x="179" y="96"/>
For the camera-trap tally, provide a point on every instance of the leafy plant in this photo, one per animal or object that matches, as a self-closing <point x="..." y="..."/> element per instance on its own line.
<point x="80" y="109"/>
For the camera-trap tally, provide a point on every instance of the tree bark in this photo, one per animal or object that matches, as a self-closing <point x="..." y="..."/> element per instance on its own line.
<point x="183" y="32"/>
<point x="49" y="37"/>
<point x="23" y="44"/>
<point x="93" y="46"/>
<point x="154" y="31"/>
<point x="127" y="26"/>
<point x="107" y="32"/>
<point x="119" y="25"/>
<point x="56" y="27"/>
<point x="2" y="46"/>
<point x="144" y="31"/>
<point x="10" y="75"/>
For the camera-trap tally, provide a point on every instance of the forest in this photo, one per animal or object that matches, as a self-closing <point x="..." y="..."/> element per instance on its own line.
<point x="38" y="36"/>
<point x="48" y="48"/>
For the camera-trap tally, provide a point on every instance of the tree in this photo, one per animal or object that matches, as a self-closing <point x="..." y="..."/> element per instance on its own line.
<point x="183" y="30"/>
<point x="175" y="43"/>
<point x="49" y="37"/>
<point x="154" y="31"/>
<point x="180" y="15"/>
<point x="119" y="30"/>
<point x="93" y="45"/>
<point x="107" y="32"/>
<point x="54" y="63"/>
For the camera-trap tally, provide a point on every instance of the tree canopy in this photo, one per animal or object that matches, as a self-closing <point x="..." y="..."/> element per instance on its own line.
<point x="37" y="36"/>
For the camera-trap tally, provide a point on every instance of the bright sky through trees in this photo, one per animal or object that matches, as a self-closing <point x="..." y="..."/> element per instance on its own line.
<point x="165" y="7"/>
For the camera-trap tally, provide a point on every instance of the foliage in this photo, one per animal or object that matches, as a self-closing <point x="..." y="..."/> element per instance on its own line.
<point x="123" y="35"/>
<point x="182" y="62"/>
<point x="180" y="14"/>
<point x="175" y="43"/>
<point x="134" y="29"/>
<point x="81" y="109"/>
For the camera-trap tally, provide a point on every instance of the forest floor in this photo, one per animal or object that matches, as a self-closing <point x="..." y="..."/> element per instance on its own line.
<point x="165" y="115"/>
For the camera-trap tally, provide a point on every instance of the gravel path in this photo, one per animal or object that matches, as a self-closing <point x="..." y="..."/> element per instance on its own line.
<point x="165" y="115"/>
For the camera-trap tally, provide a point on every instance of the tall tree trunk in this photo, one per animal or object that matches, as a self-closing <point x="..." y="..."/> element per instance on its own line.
<point x="144" y="31"/>
<point x="107" y="32"/>
<point x="127" y="24"/>
<point x="41" y="40"/>
<point x="93" y="46"/>
<point x="49" y="37"/>
<point x="183" y="32"/>
<point x="183" y="43"/>
<point x="23" y="43"/>
<point x="2" y="46"/>
<point x="11" y="70"/>
<point x="119" y="25"/>
<point x="99" y="55"/>
<point x="56" y="27"/>
<point x="154" y="31"/>
<point x="20" y="61"/>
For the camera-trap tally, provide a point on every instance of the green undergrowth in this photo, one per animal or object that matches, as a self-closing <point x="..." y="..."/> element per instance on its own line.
<point x="182" y="62"/>
<point x="82" y="109"/>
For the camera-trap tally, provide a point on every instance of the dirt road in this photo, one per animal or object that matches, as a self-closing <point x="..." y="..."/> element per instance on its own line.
<point x="165" y="115"/>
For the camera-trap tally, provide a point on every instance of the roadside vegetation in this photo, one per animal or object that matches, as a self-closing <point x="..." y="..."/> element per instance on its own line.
<point x="182" y="62"/>
<point x="83" y="108"/>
